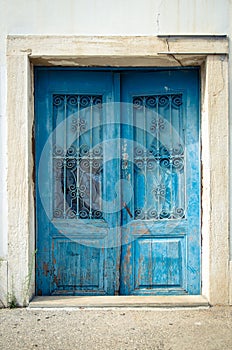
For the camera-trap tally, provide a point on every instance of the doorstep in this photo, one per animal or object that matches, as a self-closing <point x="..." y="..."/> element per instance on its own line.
<point x="118" y="301"/>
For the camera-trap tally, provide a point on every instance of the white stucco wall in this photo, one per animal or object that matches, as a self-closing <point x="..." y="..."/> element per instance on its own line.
<point x="99" y="17"/>
<point x="121" y="17"/>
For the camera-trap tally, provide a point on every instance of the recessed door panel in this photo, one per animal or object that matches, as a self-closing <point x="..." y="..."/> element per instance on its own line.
<point x="159" y="263"/>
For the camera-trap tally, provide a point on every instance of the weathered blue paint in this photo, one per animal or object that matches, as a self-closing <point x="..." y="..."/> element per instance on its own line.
<point x="165" y="257"/>
<point x="120" y="252"/>
<point x="71" y="253"/>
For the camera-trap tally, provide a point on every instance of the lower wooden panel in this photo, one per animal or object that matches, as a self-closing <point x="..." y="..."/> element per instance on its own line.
<point x="77" y="269"/>
<point x="159" y="265"/>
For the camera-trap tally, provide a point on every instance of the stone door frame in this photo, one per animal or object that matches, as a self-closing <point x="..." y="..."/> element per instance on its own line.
<point x="209" y="53"/>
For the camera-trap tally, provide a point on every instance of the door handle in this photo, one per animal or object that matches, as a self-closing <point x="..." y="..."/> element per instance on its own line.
<point x="127" y="209"/>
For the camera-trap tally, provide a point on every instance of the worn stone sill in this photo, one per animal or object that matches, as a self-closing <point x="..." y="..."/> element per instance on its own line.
<point x="118" y="301"/>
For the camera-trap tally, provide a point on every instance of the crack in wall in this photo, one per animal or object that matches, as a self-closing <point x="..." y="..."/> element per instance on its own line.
<point x="216" y="93"/>
<point x="176" y="59"/>
<point x="172" y="55"/>
<point x="158" y="22"/>
<point x="158" y="16"/>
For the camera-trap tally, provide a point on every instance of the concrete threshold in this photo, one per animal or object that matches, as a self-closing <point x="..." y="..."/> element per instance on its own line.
<point x="118" y="301"/>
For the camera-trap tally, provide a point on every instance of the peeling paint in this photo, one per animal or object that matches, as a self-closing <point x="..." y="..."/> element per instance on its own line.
<point x="56" y="280"/>
<point x="45" y="269"/>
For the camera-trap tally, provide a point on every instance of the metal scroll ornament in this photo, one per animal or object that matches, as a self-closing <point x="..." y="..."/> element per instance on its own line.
<point x="159" y="158"/>
<point x="77" y="169"/>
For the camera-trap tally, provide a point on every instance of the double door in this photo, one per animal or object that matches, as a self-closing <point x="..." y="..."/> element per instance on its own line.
<point x="117" y="182"/>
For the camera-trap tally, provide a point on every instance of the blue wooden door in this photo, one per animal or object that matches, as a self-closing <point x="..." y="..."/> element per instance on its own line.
<point x="117" y="182"/>
<point x="161" y="237"/>
<point x="76" y="227"/>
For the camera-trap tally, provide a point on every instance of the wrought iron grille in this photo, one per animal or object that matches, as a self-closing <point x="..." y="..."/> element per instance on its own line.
<point x="77" y="156"/>
<point x="159" y="157"/>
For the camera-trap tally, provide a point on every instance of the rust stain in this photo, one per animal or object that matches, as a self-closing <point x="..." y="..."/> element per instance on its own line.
<point x="56" y="280"/>
<point x="142" y="232"/>
<point x="128" y="254"/>
<point x="39" y="292"/>
<point x="59" y="275"/>
<point x="45" y="268"/>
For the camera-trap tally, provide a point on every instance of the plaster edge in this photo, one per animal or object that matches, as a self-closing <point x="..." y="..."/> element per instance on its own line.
<point x="19" y="103"/>
<point x="230" y="290"/>
<point x="4" y="282"/>
<point x="218" y="123"/>
<point x="39" y="45"/>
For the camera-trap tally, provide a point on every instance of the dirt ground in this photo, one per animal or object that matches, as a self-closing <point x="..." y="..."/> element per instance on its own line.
<point x="116" y="328"/>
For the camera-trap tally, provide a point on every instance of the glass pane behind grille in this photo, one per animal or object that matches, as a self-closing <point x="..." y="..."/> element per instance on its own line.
<point x="159" y="157"/>
<point x="77" y="156"/>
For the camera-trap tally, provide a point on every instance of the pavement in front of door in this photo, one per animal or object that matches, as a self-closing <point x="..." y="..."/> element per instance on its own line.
<point x="116" y="328"/>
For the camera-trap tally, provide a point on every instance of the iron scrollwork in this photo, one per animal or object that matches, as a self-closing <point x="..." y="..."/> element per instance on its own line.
<point x="161" y="163"/>
<point x="77" y="169"/>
